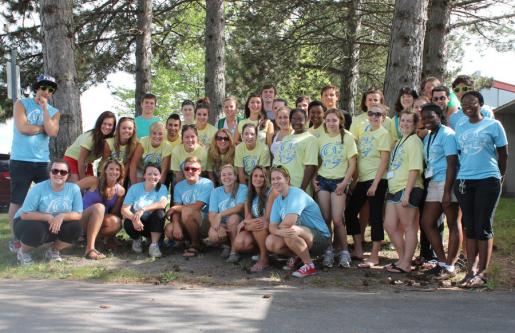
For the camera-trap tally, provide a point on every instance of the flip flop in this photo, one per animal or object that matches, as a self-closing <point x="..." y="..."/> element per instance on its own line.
<point x="476" y="282"/>
<point x="396" y="270"/>
<point x="366" y="264"/>
<point x="94" y="254"/>
<point x="257" y="268"/>
<point x="190" y="252"/>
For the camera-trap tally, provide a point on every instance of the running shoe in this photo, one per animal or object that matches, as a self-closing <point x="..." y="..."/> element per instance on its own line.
<point x="24" y="259"/>
<point x="154" y="251"/>
<point x="52" y="254"/>
<point x="345" y="259"/>
<point x="328" y="258"/>
<point x="136" y="246"/>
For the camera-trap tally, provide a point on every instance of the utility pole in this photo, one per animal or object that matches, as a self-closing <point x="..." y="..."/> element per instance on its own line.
<point x="13" y="78"/>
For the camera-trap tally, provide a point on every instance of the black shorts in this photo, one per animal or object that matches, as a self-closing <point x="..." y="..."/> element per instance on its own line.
<point x="22" y="175"/>
<point x="415" y="199"/>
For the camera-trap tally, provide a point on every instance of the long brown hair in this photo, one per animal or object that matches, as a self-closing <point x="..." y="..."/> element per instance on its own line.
<point x="133" y="141"/>
<point x="214" y="156"/>
<point x="339" y="114"/>
<point x="98" y="136"/>
<point x="102" y="182"/>
<point x="252" y="193"/>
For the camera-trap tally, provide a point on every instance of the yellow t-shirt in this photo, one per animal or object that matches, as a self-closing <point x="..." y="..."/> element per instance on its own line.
<point x="295" y="152"/>
<point x="370" y="145"/>
<point x="248" y="159"/>
<point x="85" y="140"/>
<point x="317" y="132"/>
<point x="406" y="155"/>
<point x="121" y="155"/>
<point x="360" y="121"/>
<point x="153" y="154"/>
<point x="179" y="154"/>
<point x="175" y="143"/>
<point x="335" y="155"/>
<point x="261" y="132"/>
<point x="206" y="135"/>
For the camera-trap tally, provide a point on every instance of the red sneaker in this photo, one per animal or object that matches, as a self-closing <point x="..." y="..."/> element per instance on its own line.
<point x="305" y="270"/>
<point x="292" y="264"/>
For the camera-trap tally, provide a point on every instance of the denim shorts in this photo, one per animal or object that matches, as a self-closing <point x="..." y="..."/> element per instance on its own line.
<point x="415" y="198"/>
<point x="328" y="185"/>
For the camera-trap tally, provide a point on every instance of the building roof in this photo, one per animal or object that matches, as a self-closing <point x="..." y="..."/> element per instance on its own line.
<point x="508" y="108"/>
<point x="503" y="86"/>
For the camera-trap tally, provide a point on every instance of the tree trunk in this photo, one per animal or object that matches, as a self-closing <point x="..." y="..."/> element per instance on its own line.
<point x="215" y="57"/>
<point x="435" y="43"/>
<point x="404" y="66"/>
<point x="350" y="68"/>
<point x="143" y="52"/>
<point x="59" y="61"/>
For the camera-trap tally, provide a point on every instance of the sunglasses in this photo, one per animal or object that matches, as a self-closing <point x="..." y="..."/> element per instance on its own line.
<point x="55" y="172"/>
<point x="441" y="98"/>
<point x="45" y="88"/>
<point x="222" y="138"/>
<point x="191" y="169"/>
<point x="463" y="89"/>
<point x="374" y="114"/>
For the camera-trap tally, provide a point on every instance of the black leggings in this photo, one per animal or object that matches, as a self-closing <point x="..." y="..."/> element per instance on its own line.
<point x="36" y="233"/>
<point x="376" y="208"/>
<point x="152" y="222"/>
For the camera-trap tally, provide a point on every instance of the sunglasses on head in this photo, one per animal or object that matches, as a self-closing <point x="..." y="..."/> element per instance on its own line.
<point x="462" y="89"/>
<point x="191" y="169"/>
<point x="439" y="98"/>
<point x="58" y="171"/>
<point x="222" y="138"/>
<point x="45" y="88"/>
<point x="374" y="114"/>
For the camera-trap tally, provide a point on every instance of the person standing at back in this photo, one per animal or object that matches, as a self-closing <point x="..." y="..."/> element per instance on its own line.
<point x="268" y="93"/>
<point x="35" y="121"/>
<point x="147" y="118"/>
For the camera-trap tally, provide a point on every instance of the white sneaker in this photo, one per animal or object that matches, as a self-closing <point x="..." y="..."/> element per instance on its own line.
<point x="328" y="258"/>
<point x="52" y="254"/>
<point x="24" y="259"/>
<point x="345" y="259"/>
<point x="136" y="245"/>
<point x="154" y="251"/>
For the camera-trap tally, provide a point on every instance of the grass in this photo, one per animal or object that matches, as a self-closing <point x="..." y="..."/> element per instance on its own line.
<point x="124" y="268"/>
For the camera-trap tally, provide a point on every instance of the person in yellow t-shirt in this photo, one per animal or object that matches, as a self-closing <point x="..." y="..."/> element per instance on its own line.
<point x="405" y="100"/>
<point x="405" y="192"/>
<point x="374" y="147"/>
<point x="370" y="98"/>
<point x="316" y="112"/>
<point x="151" y="149"/>
<point x="190" y="147"/>
<point x="206" y="131"/>
<point x="298" y="152"/>
<point x="220" y="152"/>
<point x="250" y="153"/>
<point x="337" y="153"/>
<point x="173" y="130"/>
<point x="255" y="114"/>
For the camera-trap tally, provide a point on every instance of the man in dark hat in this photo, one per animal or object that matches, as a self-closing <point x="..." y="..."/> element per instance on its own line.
<point x="35" y="121"/>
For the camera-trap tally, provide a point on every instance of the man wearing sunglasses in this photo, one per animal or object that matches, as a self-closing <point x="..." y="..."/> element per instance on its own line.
<point x="461" y="85"/>
<point x="35" y="121"/>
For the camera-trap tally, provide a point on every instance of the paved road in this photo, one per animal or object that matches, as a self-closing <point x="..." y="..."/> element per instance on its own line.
<point x="63" y="306"/>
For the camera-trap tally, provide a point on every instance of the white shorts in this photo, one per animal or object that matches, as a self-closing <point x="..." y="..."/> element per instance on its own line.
<point x="435" y="192"/>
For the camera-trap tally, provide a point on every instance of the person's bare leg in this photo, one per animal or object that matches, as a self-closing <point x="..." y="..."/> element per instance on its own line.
<point x="301" y="244"/>
<point x="191" y="220"/>
<point x="394" y="229"/>
<point x="430" y="215"/>
<point x="337" y="209"/>
<point x="276" y="244"/>
<point x="91" y="222"/>
<point x="472" y="251"/>
<point x="232" y="228"/>
<point x="409" y="221"/>
<point x="260" y="238"/>
<point x="455" y="233"/>
<point x="485" y="254"/>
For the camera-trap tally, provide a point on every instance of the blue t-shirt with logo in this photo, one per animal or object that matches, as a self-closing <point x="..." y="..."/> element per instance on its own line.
<point x="459" y="116"/>
<point x="43" y="199"/>
<point x="138" y="198"/>
<point x="437" y="146"/>
<point x="221" y="200"/>
<point x="299" y="203"/>
<point x="477" y="147"/>
<point x="32" y="148"/>
<point x="188" y="194"/>
<point x="143" y="125"/>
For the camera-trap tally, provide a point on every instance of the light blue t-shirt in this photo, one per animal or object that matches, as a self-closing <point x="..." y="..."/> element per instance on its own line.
<point x="437" y="146"/>
<point x="254" y="207"/>
<point x="221" y="200"/>
<point x="477" y="144"/>
<point x="32" y="148"/>
<point x="138" y="198"/>
<point x="459" y="116"/>
<point x="187" y="194"/>
<point x="41" y="198"/>
<point x="299" y="203"/>
<point x="143" y="125"/>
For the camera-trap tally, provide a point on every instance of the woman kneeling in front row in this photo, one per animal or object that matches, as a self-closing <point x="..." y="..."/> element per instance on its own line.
<point x="297" y="227"/>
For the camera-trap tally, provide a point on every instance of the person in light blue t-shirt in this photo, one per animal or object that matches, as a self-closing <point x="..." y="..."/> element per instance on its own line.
<point x="35" y="121"/>
<point x="226" y="206"/>
<point x="441" y="155"/>
<point x="190" y="202"/>
<point x="143" y="210"/>
<point x="297" y="227"/>
<point x="50" y="213"/>
<point x="147" y="118"/>
<point x="482" y="147"/>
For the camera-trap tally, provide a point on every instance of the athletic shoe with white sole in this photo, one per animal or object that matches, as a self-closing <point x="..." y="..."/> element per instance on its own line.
<point x="52" y="254"/>
<point x="305" y="270"/>
<point x="154" y="251"/>
<point x="136" y="246"/>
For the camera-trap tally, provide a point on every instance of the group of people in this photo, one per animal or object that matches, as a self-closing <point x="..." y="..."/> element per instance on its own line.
<point x="295" y="182"/>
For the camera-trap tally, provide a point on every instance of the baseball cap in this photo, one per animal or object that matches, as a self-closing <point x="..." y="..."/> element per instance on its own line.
<point x="45" y="80"/>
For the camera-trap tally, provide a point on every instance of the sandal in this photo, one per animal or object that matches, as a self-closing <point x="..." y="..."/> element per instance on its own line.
<point x="464" y="282"/>
<point x="366" y="264"/>
<point x="477" y="281"/>
<point x="94" y="254"/>
<point x="258" y="267"/>
<point x="190" y="252"/>
<point x="396" y="269"/>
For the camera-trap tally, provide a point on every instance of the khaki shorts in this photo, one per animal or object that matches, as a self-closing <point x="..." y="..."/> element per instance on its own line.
<point x="435" y="192"/>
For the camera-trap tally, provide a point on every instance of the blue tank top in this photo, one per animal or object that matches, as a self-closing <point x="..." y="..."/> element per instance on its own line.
<point x="93" y="197"/>
<point x="31" y="148"/>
